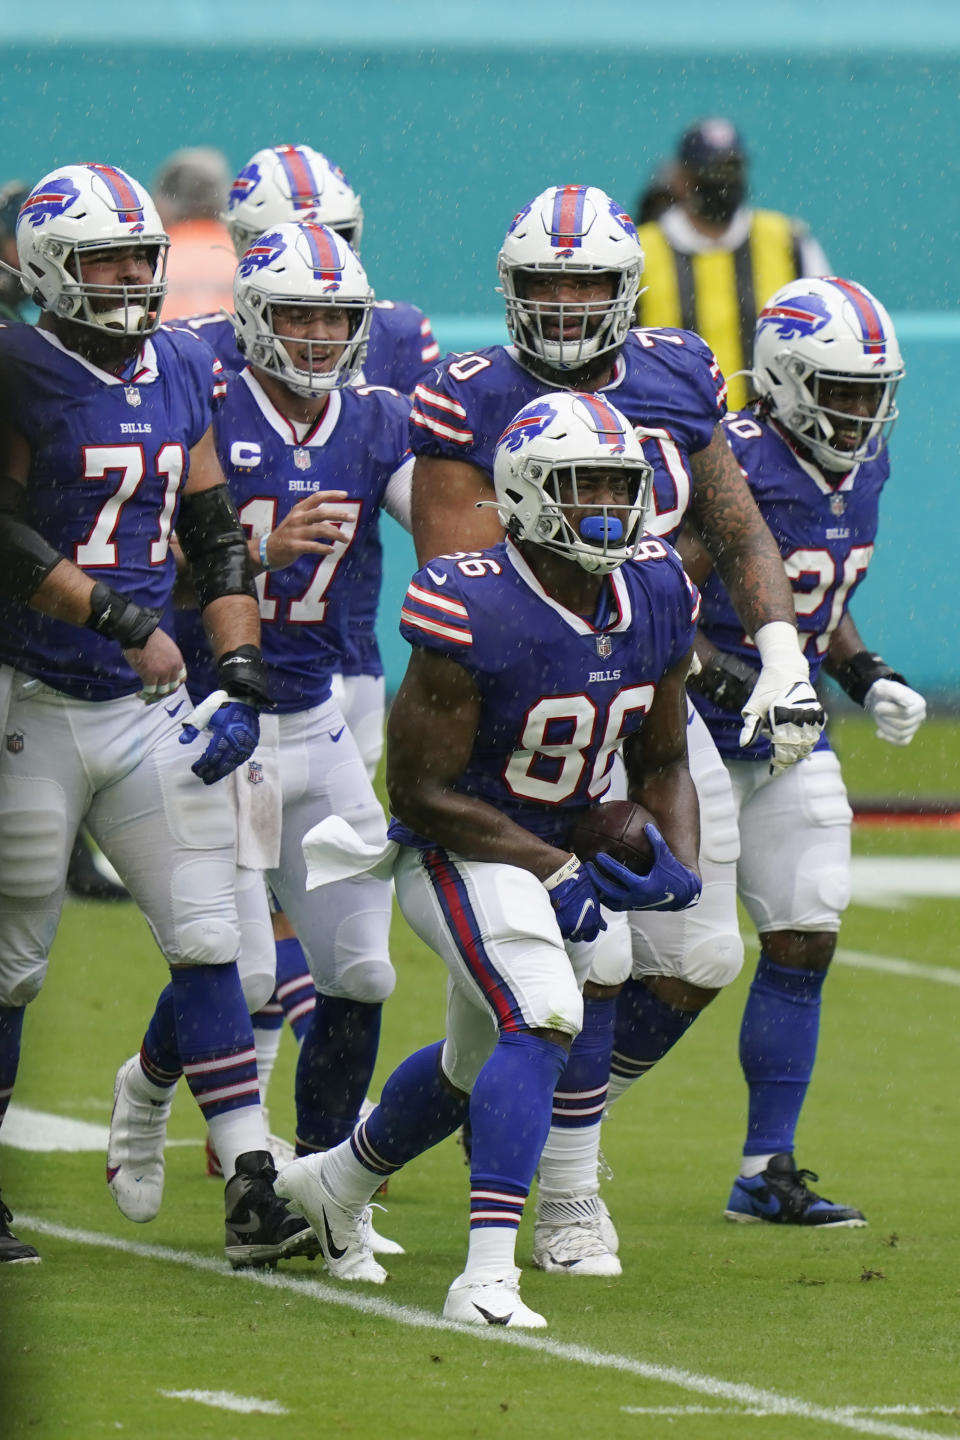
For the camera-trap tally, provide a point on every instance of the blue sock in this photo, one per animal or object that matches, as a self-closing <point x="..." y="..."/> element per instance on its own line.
<point x="646" y="1029"/>
<point x="215" y="1037"/>
<point x="778" y="1045"/>
<point x="416" y="1111"/>
<point x="159" y="1053"/>
<point x="336" y="1061"/>
<point x="510" y="1111"/>
<point x="295" y="988"/>
<point x="581" y="1091"/>
<point x="11" y="1030"/>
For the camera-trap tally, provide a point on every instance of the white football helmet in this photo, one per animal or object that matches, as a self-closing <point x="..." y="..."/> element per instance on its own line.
<point x="82" y="208"/>
<point x="813" y="333"/>
<point x="301" y="265"/>
<point x="287" y="184"/>
<point x="559" y="437"/>
<point x="570" y="230"/>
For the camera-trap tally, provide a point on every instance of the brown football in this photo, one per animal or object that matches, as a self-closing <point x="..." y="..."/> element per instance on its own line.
<point x="616" y="827"/>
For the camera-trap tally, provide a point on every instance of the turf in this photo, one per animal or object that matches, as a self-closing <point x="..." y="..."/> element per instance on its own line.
<point x="93" y="1335"/>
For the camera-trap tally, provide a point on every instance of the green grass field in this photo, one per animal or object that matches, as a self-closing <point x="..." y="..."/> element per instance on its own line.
<point x="714" y="1330"/>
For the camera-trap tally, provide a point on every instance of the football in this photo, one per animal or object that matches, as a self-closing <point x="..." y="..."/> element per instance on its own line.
<point x="616" y="827"/>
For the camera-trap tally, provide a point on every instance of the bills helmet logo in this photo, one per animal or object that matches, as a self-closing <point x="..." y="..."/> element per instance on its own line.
<point x="562" y="254"/>
<point x="263" y="253"/>
<point x="623" y="220"/>
<point x="46" y="204"/>
<point x="531" y="422"/>
<point x="520" y="216"/>
<point x="244" y="185"/>
<point x="803" y="316"/>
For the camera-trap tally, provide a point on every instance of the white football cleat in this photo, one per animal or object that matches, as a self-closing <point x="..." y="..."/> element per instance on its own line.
<point x="344" y="1234"/>
<point x="490" y="1298"/>
<point x="574" y="1247"/>
<point x="608" y="1231"/>
<point x="379" y="1244"/>
<point x="138" y="1132"/>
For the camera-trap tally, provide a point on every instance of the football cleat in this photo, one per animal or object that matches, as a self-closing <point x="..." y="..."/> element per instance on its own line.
<point x="281" y="1150"/>
<point x="575" y="1247"/>
<point x="780" y="1196"/>
<point x="12" y="1250"/>
<point x="343" y="1233"/>
<point x="608" y="1231"/>
<point x="485" y="1298"/>
<point x="260" y="1230"/>
<point x="138" y="1131"/>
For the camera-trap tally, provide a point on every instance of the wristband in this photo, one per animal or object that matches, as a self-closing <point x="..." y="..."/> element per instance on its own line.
<point x="779" y="647"/>
<point x="564" y="873"/>
<point x="243" y="675"/>
<point x="857" y="674"/>
<point x="120" y="619"/>
<point x="263" y="550"/>
<point x="726" y="680"/>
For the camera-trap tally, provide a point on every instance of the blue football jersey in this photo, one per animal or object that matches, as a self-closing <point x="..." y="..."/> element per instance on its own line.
<point x="558" y="693"/>
<point x="306" y="609"/>
<point x="666" y="382"/>
<point x="826" y="533"/>
<point x="109" y="457"/>
<point x="401" y="350"/>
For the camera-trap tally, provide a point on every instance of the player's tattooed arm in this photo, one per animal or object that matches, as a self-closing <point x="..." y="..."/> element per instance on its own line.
<point x="444" y="501"/>
<point x="655" y="759"/>
<point x="430" y="737"/>
<point x="736" y="535"/>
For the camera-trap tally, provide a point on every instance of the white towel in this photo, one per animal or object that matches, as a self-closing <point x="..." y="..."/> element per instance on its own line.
<point x="334" y="851"/>
<point x="256" y="788"/>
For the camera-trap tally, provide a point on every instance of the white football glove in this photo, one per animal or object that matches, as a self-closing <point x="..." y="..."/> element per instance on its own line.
<point x="783" y="705"/>
<point x="898" y="711"/>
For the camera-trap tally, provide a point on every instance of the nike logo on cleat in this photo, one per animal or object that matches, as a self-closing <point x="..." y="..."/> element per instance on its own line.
<point x="335" y="1252"/>
<point x="491" y="1319"/>
<point x="172" y="709"/>
<point x="245" y="1227"/>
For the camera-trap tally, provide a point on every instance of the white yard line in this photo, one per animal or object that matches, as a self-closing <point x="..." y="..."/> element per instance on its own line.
<point x="678" y="1410"/>
<point x="749" y="1396"/>
<point x="225" y="1400"/>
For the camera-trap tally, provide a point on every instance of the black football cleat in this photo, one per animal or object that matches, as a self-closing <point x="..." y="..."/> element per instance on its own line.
<point x="780" y="1196"/>
<point x="260" y="1230"/>
<point x="12" y="1250"/>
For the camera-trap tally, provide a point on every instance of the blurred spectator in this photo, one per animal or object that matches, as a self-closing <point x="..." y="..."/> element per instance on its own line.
<point x="660" y="194"/>
<point x="190" y="191"/>
<point x="712" y="260"/>
<point x="13" y="297"/>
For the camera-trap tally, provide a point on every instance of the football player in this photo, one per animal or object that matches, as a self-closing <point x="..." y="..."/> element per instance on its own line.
<point x="533" y="662"/>
<point x="827" y="367"/>
<point x="292" y="422"/>
<point x="290" y="184"/>
<point x="570" y="270"/>
<point x="107" y="448"/>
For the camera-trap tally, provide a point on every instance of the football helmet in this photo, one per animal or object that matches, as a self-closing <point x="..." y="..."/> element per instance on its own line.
<point x="301" y="265"/>
<point x="570" y="230"/>
<point x="815" y="334"/>
<point x="82" y="208"/>
<point x="287" y="184"/>
<point x="564" y="436"/>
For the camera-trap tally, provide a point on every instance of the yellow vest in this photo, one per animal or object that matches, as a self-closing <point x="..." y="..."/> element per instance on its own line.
<point x="719" y="294"/>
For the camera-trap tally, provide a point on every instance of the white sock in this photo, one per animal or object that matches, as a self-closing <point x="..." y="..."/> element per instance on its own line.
<point x="234" y="1134"/>
<point x="351" y="1184"/>
<point x="146" y="1089"/>
<point x="568" y="1164"/>
<point x="492" y="1248"/>
<point x="752" y="1165"/>
<point x="267" y="1045"/>
<point x="619" y="1085"/>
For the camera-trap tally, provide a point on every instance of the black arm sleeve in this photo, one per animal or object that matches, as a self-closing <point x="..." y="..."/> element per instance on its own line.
<point x="212" y="538"/>
<point x="26" y="559"/>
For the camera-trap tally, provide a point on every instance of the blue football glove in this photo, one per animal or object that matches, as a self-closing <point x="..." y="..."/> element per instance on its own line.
<point x="234" y="735"/>
<point x="575" y="903"/>
<point x="668" y="886"/>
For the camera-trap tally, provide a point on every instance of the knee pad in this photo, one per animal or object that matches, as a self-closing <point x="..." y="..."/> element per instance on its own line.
<point x="714" y="961"/>
<point x="610" y="957"/>
<point x="257" y="985"/>
<point x="22" y="982"/>
<point x="370" y="982"/>
<point x="719" y="830"/>
<point x="33" y="837"/>
<point x="206" y="942"/>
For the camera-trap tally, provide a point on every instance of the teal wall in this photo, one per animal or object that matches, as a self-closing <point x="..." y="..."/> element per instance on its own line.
<point x="448" y="116"/>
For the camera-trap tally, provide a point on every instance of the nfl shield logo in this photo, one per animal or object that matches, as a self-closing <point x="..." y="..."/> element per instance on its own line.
<point x="132" y="394"/>
<point x="15" y="742"/>
<point x="255" y="772"/>
<point x="301" y="458"/>
<point x="604" y="647"/>
<point x="837" y="504"/>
